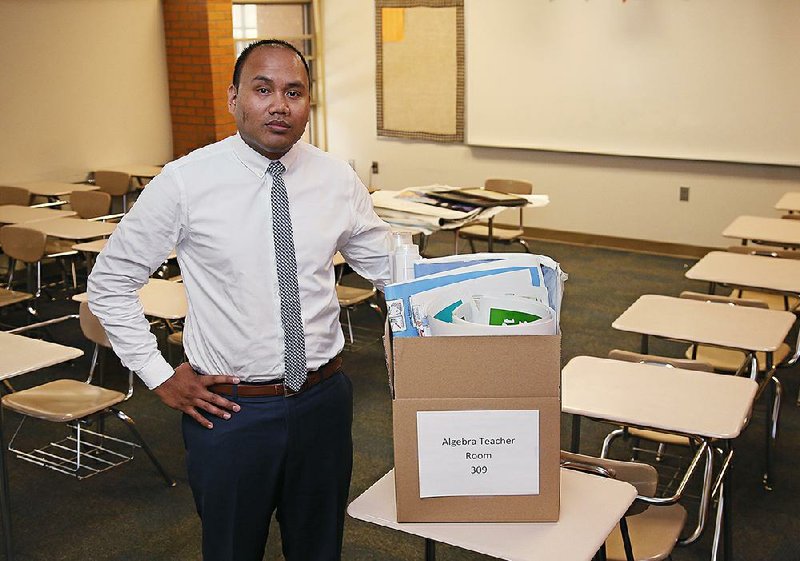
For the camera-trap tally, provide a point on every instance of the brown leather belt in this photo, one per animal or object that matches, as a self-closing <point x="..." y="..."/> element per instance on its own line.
<point x="272" y="389"/>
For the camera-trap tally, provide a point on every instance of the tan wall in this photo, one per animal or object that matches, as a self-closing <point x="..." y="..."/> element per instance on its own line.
<point x="84" y="85"/>
<point x="616" y="196"/>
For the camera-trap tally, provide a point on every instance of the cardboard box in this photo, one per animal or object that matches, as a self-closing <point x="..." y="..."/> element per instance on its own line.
<point x="481" y="374"/>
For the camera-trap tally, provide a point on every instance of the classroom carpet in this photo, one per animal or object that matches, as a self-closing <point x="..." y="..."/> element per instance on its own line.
<point x="128" y="514"/>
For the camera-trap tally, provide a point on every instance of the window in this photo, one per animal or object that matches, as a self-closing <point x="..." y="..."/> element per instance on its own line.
<point x="295" y="22"/>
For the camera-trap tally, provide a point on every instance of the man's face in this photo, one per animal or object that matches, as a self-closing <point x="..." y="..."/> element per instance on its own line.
<point x="272" y="101"/>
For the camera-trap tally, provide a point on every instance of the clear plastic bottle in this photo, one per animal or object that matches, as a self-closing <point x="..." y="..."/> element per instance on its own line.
<point x="403" y="255"/>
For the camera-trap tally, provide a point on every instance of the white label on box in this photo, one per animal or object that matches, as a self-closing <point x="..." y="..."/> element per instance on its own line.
<point x="464" y="453"/>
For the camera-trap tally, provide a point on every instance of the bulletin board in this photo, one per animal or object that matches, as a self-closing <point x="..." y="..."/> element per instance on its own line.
<point x="420" y="69"/>
<point x="687" y="79"/>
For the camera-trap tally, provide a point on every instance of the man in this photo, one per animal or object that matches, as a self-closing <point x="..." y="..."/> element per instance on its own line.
<point x="256" y="219"/>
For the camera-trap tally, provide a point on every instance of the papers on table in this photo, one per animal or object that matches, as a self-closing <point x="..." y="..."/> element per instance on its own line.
<point x="478" y="197"/>
<point x="478" y="294"/>
<point x="413" y="207"/>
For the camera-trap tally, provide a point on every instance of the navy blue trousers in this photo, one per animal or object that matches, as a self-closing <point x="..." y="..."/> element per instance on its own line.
<point x="288" y="455"/>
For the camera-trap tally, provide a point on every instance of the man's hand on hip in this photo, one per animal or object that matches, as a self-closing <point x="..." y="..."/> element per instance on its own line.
<point x="187" y="391"/>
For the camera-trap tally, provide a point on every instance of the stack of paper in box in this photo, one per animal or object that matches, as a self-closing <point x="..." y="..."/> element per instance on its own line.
<point x="476" y="414"/>
<point x="478" y="294"/>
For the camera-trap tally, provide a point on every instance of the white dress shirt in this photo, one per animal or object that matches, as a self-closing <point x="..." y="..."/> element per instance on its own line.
<point x="213" y="207"/>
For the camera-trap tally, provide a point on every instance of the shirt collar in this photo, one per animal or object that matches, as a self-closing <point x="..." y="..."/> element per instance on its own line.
<point x="257" y="163"/>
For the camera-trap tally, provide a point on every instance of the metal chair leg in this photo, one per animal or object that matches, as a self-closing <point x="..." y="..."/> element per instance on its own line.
<point x="349" y="325"/>
<point x="626" y="539"/>
<point x="773" y="413"/>
<point x="12" y="264"/>
<point x="705" y="499"/>
<point x="776" y="406"/>
<point x="5" y="507"/>
<point x="718" y="525"/>
<point x="610" y="437"/>
<point x="135" y="432"/>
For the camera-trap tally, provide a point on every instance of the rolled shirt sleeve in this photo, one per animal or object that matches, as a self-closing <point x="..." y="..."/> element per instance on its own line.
<point x="141" y="242"/>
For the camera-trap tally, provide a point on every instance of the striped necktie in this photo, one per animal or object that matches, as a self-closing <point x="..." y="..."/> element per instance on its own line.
<point x="286" y="262"/>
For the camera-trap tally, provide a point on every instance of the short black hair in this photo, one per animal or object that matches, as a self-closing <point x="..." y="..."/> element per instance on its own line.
<point x="237" y="69"/>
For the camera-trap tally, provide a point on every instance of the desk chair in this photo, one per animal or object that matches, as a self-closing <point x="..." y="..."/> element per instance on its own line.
<point x="10" y="298"/>
<point x="728" y="360"/>
<point x="737" y="362"/>
<point x="501" y="234"/>
<point x="350" y="297"/>
<point x="14" y="196"/>
<point x="773" y="300"/>
<point x="30" y="247"/>
<point x="115" y="183"/>
<point x="651" y="526"/>
<point x="90" y="204"/>
<point x="83" y="452"/>
<point x="175" y="341"/>
<point x="663" y="439"/>
<point x="27" y="246"/>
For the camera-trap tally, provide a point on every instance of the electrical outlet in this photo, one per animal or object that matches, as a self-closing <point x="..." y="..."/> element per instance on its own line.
<point x="684" y="194"/>
<point x="375" y="167"/>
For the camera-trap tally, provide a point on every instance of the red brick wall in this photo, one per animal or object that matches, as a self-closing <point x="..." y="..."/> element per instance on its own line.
<point x="200" y="57"/>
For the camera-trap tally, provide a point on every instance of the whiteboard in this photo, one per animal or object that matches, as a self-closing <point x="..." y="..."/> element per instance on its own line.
<point x="687" y="79"/>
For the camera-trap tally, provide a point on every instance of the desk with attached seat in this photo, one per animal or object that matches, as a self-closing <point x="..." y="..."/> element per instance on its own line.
<point x="670" y="400"/>
<point x="759" y="229"/>
<point x="76" y="229"/>
<point x="590" y="508"/>
<point x="781" y="276"/>
<point x="789" y="202"/>
<point x="54" y="189"/>
<point x="162" y="299"/>
<point x="20" y="356"/>
<point x="17" y="214"/>
<point x="718" y="325"/>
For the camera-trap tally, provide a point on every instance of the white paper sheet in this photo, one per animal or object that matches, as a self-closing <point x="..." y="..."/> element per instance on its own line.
<point x="466" y="453"/>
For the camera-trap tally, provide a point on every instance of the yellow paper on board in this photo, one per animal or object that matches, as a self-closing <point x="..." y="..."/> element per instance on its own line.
<point x="393" y="26"/>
